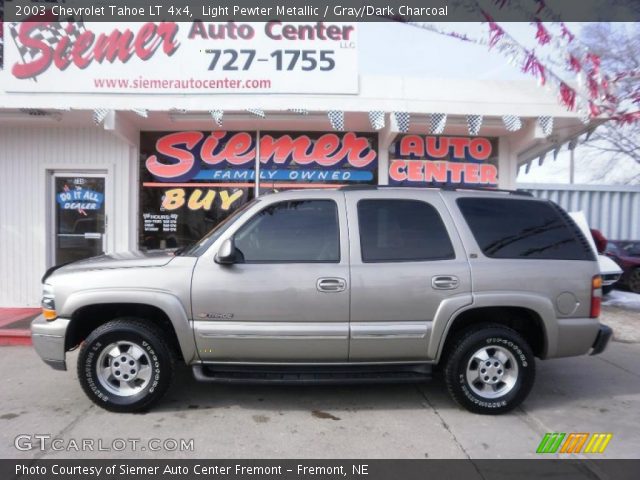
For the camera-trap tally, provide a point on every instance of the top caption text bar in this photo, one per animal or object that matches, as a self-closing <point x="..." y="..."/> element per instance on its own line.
<point x="324" y="10"/>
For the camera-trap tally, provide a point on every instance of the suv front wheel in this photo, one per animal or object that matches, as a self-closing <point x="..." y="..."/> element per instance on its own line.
<point x="490" y="370"/>
<point x="125" y="365"/>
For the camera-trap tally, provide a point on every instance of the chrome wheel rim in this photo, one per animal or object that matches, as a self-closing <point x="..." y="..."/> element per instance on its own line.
<point x="492" y="372"/>
<point x="124" y="368"/>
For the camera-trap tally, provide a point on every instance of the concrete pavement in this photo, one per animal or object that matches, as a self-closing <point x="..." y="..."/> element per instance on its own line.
<point x="584" y="394"/>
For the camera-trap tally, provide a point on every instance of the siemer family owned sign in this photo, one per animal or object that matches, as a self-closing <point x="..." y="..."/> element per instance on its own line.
<point x="169" y="57"/>
<point x="221" y="156"/>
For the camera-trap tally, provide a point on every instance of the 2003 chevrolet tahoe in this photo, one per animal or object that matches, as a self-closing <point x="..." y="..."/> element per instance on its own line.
<point x="347" y="285"/>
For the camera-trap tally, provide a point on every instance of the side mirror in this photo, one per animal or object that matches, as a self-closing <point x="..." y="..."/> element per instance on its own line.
<point x="227" y="253"/>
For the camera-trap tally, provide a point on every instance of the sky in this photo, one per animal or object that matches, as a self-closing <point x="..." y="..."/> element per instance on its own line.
<point x="400" y="49"/>
<point x="392" y="48"/>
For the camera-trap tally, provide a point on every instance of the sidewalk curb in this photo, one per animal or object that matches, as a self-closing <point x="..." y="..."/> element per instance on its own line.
<point x="14" y="337"/>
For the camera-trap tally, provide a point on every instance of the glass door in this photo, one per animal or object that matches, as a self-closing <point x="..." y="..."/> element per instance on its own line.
<point x="79" y="216"/>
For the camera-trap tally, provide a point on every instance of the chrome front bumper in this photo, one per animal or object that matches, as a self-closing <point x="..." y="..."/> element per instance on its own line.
<point x="48" y="340"/>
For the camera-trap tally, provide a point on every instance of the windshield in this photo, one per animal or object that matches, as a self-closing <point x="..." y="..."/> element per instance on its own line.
<point x="197" y="248"/>
<point x="632" y="249"/>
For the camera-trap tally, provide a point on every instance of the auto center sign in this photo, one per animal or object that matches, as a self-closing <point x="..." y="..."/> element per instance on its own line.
<point x="416" y="160"/>
<point x="168" y="57"/>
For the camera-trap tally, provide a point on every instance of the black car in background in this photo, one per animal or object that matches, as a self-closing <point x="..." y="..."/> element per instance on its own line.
<point x="626" y="253"/>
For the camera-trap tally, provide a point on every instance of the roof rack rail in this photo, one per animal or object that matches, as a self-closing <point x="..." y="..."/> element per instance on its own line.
<point x="451" y="188"/>
<point x="358" y="187"/>
<point x="488" y="189"/>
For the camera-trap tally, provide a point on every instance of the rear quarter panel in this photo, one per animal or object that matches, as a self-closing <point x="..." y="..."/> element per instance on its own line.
<point x="559" y="291"/>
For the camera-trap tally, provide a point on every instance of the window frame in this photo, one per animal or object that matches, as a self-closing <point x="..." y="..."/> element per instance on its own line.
<point x="407" y="260"/>
<point x="289" y="262"/>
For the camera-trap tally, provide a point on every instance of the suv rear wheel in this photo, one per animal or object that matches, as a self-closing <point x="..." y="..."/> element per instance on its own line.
<point x="125" y="365"/>
<point x="490" y="369"/>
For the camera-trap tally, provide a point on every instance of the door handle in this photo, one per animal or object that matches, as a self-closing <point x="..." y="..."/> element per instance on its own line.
<point x="445" y="282"/>
<point x="331" y="284"/>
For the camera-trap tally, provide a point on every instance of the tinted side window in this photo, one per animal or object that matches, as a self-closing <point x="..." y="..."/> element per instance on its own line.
<point x="401" y="230"/>
<point x="294" y="231"/>
<point x="510" y="228"/>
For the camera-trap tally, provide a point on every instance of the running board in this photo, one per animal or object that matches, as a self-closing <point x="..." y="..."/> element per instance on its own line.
<point x="302" y="374"/>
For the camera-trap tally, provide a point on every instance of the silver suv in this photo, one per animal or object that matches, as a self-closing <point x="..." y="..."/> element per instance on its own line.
<point x="351" y="285"/>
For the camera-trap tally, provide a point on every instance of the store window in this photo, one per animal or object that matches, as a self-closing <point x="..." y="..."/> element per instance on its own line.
<point x="291" y="232"/>
<point x="402" y="231"/>
<point x="192" y="180"/>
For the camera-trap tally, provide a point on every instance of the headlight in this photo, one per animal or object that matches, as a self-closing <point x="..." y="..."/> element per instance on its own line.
<point x="48" y="303"/>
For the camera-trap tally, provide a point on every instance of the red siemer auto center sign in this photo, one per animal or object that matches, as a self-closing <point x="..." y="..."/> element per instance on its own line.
<point x="169" y="57"/>
<point x="421" y="160"/>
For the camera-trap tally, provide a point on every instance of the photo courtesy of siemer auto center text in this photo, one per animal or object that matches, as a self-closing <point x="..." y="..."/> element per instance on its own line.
<point x="319" y="240"/>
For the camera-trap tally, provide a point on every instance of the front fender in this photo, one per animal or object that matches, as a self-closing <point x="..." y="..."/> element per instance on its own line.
<point x="165" y="301"/>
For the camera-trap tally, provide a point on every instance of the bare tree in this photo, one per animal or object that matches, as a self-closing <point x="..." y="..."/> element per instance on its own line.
<point x="618" y="46"/>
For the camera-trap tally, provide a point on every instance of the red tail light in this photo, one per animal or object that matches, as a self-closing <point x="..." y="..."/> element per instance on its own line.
<point x="596" y="296"/>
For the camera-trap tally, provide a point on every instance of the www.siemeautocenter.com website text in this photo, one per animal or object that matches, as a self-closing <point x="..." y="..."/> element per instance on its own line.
<point x="215" y="10"/>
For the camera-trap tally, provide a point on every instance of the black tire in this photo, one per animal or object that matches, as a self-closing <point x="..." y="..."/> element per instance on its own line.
<point x="157" y="355"/>
<point x="606" y="289"/>
<point x="634" y="281"/>
<point x="497" y="340"/>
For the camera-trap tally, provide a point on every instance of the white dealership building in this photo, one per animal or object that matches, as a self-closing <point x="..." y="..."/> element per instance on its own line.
<point x="145" y="135"/>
